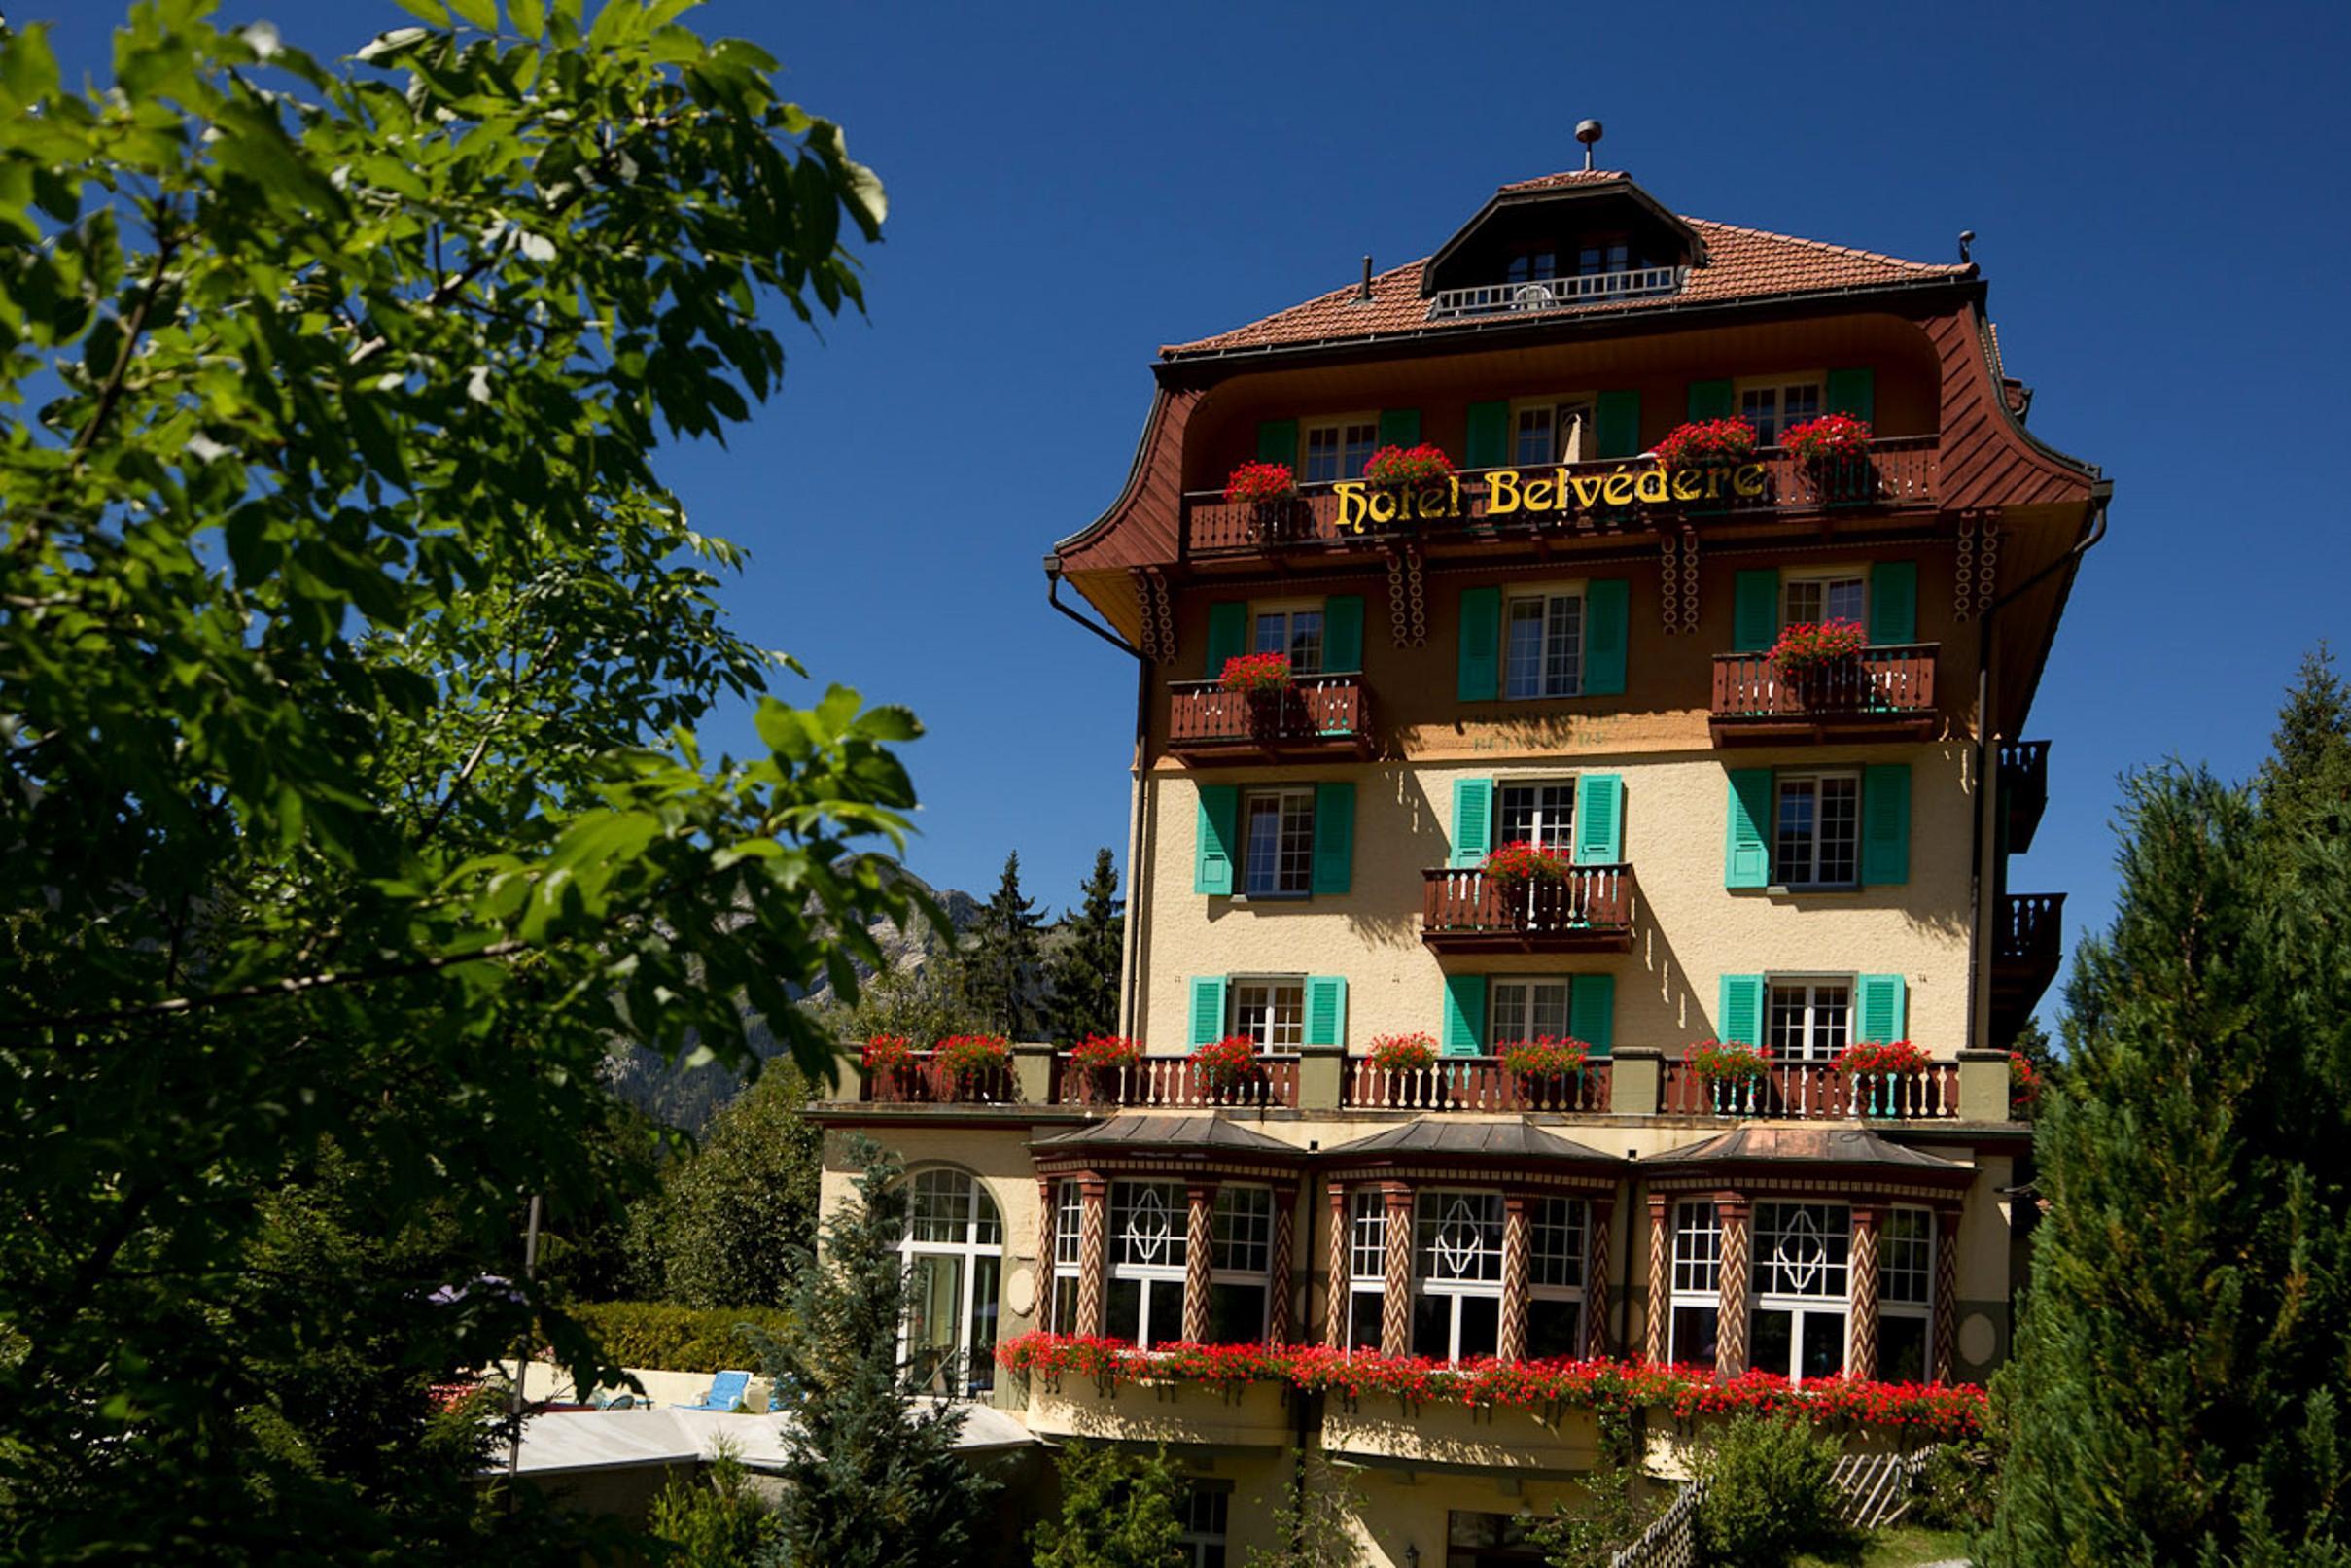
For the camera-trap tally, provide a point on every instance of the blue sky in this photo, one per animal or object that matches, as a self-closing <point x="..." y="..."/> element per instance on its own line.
<point x="2159" y="191"/>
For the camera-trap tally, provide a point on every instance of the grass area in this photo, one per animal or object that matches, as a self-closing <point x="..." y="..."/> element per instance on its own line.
<point x="1905" y="1545"/>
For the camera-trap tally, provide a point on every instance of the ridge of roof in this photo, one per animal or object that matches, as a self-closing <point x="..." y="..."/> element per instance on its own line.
<point x="1564" y="177"/>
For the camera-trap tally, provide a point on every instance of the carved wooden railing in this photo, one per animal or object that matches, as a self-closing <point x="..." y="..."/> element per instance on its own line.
<point x="1176" y="1082"/>
<point x="1464" y="901"/>
<point x="1318" y="707"/>
<point x="1468" y="1083"/>
<point x="1894" y="679"/>
<point x="924" y="1082"/>
<point x="1815" y="1091"/>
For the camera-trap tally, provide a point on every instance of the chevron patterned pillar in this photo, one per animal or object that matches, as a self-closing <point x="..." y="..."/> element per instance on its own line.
<point x="1199" y="1257"/>
<point x="1285" y="1226"/>
<point x="1861" y="1358"/>
<point x="1660" y="1314"/>
<point x="1596" y="1337"/>
<point x="1517" y="1237"/>
<point x="1730" y="1318"/>
<point x="1947" y="1291"/>
<point x="1046" y="1215"/>
<point x="1093" y="1250"/>
<point x="1395" y="1306"/>
<point x="1335" y="1293"/>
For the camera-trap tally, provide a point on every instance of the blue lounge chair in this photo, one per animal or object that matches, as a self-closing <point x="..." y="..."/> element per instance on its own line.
<point x="726" y="1391"/>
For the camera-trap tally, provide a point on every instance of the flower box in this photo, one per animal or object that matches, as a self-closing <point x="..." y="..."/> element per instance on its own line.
<point x="887" y="1055"/>
<point x="961" y="1057"/>
<point x="1520" y="864"/>
<point x="1404" y="1052"/>
<point x="1544" y="1058"/>
<point x="1707" y="443"/>
<point x="1257" y="675"/>
<point x="1104" y="1053"/>
<point x="1830" y="438"/>
<point x="1893" y="1056"/>
<point x="1226" y="1063"/>
<point x="1807" y="649"/>
<point x="1715" y="1062"/>
<point x="1256" y="483"/>
<point x="1403" y="467"/>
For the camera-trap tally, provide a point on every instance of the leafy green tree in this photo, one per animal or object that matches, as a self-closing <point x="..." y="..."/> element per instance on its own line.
<point x="1000" y="962"/>
<point x="874" y="1480"/>
<point x="924" y="1002"/>
<point x="1083" y="975"/>
<point x="714" y="1520"/>
<point x="1313" y="1520"/>
<point x="350" y="654"/>
<point x="1612" y="1513"/>
<point x="2176" y="1395"/>
<point x="1118" y="1510"/>
<point x="721" y="1230"/>
<point x="1771" y="1493"/>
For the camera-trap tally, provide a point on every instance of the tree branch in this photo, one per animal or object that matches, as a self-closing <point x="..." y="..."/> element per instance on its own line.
<point x="267" y="990"/>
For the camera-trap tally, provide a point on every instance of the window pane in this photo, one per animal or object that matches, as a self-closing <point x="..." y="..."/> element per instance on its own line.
<point x="1458" y="1236"/>
<point x="1297" y="868"/>
<point x="1800" y="402"/>
<point x="1242" y="1221"/>
<point x="1845" y="599"/>
<point x="1360" y="441"/>
<point x="1534" y="436"/>
<point x="1432" y="1326"/>
<point x="1550" y="1007"/>
<point x="1261" y="845"/>
<point x="1693" y="1336"/>
<point x="1509" y="1021"/>
<point x="936" y="1301"/>
<point x="1759" y="406"/>
<point x="1147" y="1223"/>
<point x="1272" y="632"/>
<point x="1481" y="1326"/>
<point x="1824" y="1334"/>
<point x="1564" y="657"/>
<point x="1698" y="1247"/>
<point x="1167" y="1312"/>
<point x="1838" y="858"/>
<point x="1305" y="641"/>
<point x="1236" y="1315"/>
<point x="1902" y="1349"/>
<point x="1797" y="831"/>
<point x="1322" y="453"/>
<point x="1557" y="1236"/>
<point x="1803" y="1249"/>
<point x="1523" y="649"/>
<point x="1367" y="1251"/>
<point x="1365" y="1310"/>
<point x="1906" y="1257"/>
<point x="1804" y="600"/>
<point x="1122" y="1310"/>
<point x="1554" y="1329"/>
<point x="1773" y="1350"/>
<point x="979" y="1355"/>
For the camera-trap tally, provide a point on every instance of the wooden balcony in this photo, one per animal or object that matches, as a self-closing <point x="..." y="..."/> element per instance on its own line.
<point x="1900" y="473"/>
<point x="2028" y="948"/>
<point x="1322" y="717"/>
<point x="926" y="1083"/>
<point x="1468" y="1083"/>
<point x="1588" y="911"/>
<point x="1887" y="693"/>
<point x="2024" y="789"/>
<point x="1176" y="1083"/>
<point x="1815" y="1092"/>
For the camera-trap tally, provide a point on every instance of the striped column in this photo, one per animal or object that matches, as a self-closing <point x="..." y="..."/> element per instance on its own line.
<point x="1517" y="1237"/>
<point x="1861" y="1356"/>
<point x="1660" y="1314"/>
<point x="1335" y="1294"/>
<point x="1395" y="1303"/>
<point x="1947" y="1291"/>
<point x="1286" y="1226"/>
<point x="1199" y="1257"/>
<point x="1093" y="1250"/>
<point x="1596" y="1337"/>
<point x="1730" y="1317"/>
<point x="1047" y="1214"/>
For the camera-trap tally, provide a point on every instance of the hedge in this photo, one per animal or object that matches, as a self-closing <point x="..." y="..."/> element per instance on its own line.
<point x="657" y="1337"/>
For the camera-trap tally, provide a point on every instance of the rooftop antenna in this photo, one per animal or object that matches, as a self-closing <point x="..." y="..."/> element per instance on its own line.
<point x="1588" y="132"/>
<point x="1967" y="237"/>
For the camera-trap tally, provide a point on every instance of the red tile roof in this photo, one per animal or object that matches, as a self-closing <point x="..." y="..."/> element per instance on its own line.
<point x="1741" y="263"/>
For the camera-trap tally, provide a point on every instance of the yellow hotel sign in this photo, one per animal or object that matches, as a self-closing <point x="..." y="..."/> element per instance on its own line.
<point x="1515" y="492"/>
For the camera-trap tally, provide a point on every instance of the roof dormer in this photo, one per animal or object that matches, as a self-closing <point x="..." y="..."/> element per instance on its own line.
<point x="1582" y="237"/>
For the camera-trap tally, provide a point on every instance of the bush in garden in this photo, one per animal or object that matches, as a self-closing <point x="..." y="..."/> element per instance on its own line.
<point x="1771" y="1493"/>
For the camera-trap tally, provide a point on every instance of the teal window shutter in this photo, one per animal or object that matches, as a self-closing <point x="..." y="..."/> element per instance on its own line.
<point x="1600" y="819"/>
<point x="1334" y="837"/>
<point x="1740" y="1017"/>
<point x="1219" y="830"/>
<point x="1853" y="392"/>
<point x="1882" y="1008"/>
<point x="1278" y="442"/>
<point x="1709" y="399"/>
<point x="1893" y="602"/>
<point x="1207" y="1009"/>
<point x="1746" y="852"/>
<point x="1464" y="1015"/>
<point x="1472" y="820"/>
<point x="1488" y="435"/>
<point x="1755" y="612"/>
<point x="1481" y="670"/>
<point x="1399" y="427"/>
<point x="1885" y="824"/>
<point x="1326" y="1009"/>
<point x="1608" y="611"/>
<point x="1228" y="633"/>
<point x="1343" y="634"/>
<point x="1592" y="1011"/>
<point x="1616" y="421"/>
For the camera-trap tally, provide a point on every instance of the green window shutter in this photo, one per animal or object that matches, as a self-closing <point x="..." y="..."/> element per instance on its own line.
<point x="1481" y="670"/>
<point x="1755" y="612"/>
<point x="1464" y="1015"/>
<point x="1207" y="1008"/>
<point x="1343" y="634"/>
<point x="1709" y="399"/>
<point x="1278" y="442"/>
<point x="1334" y="837"/>
<point x="1326" y="1009"/>
<point x="1740" y="1016"/>
<point x="1399" y="427"/>
<point x="1746" y="852"/>
<point x="1607" y="603"/>
<point x="1592" y="1011"/>
<point x="1228" y="633"/>
<point x="1881" y="1009"/>
<point x="1472" y="820"/>
<point x="1616" y="420"/>
<point x="1894" y="603"/>
<point x="1219" y="829"/>
<point x="1885" y="824"/>
<point x="1853" y="392"/>
<point x="1488" y="435"/>
<point x="1600" y="819"/>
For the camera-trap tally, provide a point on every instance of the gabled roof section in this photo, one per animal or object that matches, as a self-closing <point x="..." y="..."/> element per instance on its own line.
<point x="1517" y="1140"/>
<point x="1165" y="1133"/>
<point x="1810" y="1145"/>
<point x="1550" y="189"/>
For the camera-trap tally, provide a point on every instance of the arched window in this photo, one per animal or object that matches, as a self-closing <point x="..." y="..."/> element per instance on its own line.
<point x="954" y="1251"/>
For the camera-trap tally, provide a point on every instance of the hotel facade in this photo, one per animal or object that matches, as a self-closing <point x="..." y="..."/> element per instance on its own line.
<point x="1569" y="643"/>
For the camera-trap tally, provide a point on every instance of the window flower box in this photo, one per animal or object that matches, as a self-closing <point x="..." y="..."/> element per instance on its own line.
<point x="1404" y="1052"/>
<point x="1520" y="865"/>
<point x="887" y="1056"/>
<point x="1258" y="483"/>
<point x="1104" y="1053"/>
<point x="1895" y="1056"/>
<point x="1227" y="1063"/>
<point x="1546" y="1058"/>
<point x="1715" y="1062"/>
<point x="1257" y="675"/>
<point x="1830" y="438"/>
<point x="1812" y="655"/>
<point x="1707" y="443"/>
<point x="1403" y="468"/>
<point x="962" y="1059"/>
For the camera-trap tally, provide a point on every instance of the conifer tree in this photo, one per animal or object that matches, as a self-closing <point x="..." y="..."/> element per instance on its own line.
<point x="999" y="966"/>
<point x="1118" y="1511"/>
<point x="1084" y="973"/>
<point x="2307" y="780"/>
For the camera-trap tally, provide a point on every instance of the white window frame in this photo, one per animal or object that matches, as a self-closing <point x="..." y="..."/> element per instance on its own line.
<point x="1905" y="1278"/>
<point x="1818" y="1038"/>
<point x="1295" y="803"/>
<point x="1274" y="1032"/>
<point x="1366" y="1258"/>
<point x="1769" y="429"/>
<point x="1068" y="1253"/>
<point x="1695" y="1278"/>
<point x="1830" y="1298"/>
<point x="981" y="1241"/>
<point x="1342" y="424"/>
<point x="1235" y="1235"/>
<point x="1530" y="986"/>
<point x="1573" y="446"/>
<point x="1168" y="1265"/>
<point x="1559" y="1236"/>
<point x="1433" y="1213"/>
<point x="1783" y="871"/>
<point x="1206" y="1520"/>
<point x="1547" y="595"/>
<point x="1558" y="834"/>
<point x="1286" y="611"/>
<point x="1826" y="580"/>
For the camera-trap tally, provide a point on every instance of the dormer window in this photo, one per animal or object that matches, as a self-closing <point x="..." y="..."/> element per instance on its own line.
<point x="1534" y="264"/>
<point x="1544" y="247"/>
<point x="1604" y="254"/>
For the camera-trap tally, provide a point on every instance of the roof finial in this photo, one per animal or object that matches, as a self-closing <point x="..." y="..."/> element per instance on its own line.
<point x="1967" y="237"/>
<point x="1587" y="133"/>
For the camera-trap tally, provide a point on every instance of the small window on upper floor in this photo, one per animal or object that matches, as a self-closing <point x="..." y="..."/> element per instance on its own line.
<point x="1277" y="843"/>
<point x="1337" y="448"/>
<point x="1551" y="429"/>
<point x="1604" y="252"/>
<point x="1773" y="404"/>
<point x="1808" y="1019"/>
<point x="1540" y="813"/>
<point x="1543" y="643"/>
<point x="1271" y="1011"/>
<point x="1293" y="629"/>
<point x="1533" y="264"/>
<point x="1816" y="841"/>
<point x="1823" y="596"/>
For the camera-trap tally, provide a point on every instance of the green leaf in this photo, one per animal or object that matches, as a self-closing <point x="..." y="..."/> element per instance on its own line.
<point x="28" y="70"/>
<point x="530" y="18"/>
<point x="431" y="11"/>
<point x="482" y="14"/>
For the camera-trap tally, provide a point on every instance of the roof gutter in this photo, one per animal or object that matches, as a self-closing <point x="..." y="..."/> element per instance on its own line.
<point x="1053" y="581"/>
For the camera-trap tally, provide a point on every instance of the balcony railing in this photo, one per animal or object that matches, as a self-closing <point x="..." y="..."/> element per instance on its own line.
<point x="1814" y="1091"/>
<point x="1467" y="1083"/>
<point x="1900" y="472"/>
<point x="1176" y="1083"/>
<point x="1884" y="691"/>
<point x="2031" y="928"/>
<point x="1589" y="910"/>
<point x="924" y="1082"/>
<point x="2024" y="789"/>
<point x="1319" y="715"/>
<point x="1553" y="294"/>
